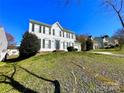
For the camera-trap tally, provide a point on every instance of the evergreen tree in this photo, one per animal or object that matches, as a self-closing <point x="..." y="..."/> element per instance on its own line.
<point x="89" y="44"/>
<point x="30" y="45"/>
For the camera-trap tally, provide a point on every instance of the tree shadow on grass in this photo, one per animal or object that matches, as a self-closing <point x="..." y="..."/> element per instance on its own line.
<point x="14" y="60"/>
<point x="15" y="84"/>
<point x="21" y="88"/>
<point x="54" y="82"/>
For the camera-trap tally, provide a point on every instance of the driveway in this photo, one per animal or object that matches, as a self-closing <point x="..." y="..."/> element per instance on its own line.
<point x="109" y="53"/>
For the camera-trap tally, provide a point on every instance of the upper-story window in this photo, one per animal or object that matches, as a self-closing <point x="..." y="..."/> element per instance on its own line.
<point x="63" y="34"/>
<point x="72" y="36"/>
<point x="66" y="35"/>
<point x="40" y="29"/>
<point x="44" y="29"/>
<point x="49" y="31"/>
<point x="69" y="35"/>
<point x="53" y="31"/>
<point x="32" y="27"/>
<point x="60" y="33"/>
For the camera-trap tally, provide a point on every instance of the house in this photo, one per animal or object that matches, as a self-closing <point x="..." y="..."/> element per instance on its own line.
<point x="52" y="37"/>
<point x="104" y="42"/>
<point x="3" y="44"/>
<point x="98" y="43"/>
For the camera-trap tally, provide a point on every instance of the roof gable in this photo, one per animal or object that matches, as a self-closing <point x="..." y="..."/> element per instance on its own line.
<point x="44" y="24"/>
<point x="58" y="24"/>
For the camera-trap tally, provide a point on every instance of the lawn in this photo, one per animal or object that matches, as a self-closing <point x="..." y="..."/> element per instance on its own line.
<point x="76" y="72"/>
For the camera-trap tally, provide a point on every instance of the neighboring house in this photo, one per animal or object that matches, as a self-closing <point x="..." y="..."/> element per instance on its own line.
<point x="95" y="45"/>
<point x="3" y="44"/>
<point x="52" y="37"/>
<point x="98" y="43"/>
<point x="104" y="42"/>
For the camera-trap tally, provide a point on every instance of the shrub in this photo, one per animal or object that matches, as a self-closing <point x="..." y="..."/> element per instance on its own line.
<point x="30" y="45"/>
<point x="83" y="46"/>
<point x="89" y="44"/>
<point x="70" y="49"/>
<point x="75" y="49"/>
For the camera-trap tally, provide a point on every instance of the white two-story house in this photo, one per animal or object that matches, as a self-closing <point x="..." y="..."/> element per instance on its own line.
<point x="52" y="37"/>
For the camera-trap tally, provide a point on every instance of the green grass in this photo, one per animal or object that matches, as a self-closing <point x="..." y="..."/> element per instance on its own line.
<point x="75" y="71"/>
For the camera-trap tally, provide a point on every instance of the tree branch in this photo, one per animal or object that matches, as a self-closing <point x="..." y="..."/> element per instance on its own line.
<point x="121" y="6"/>
<point x="112" y="5"/>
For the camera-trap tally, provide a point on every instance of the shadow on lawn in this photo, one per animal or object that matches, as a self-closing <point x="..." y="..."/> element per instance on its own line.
<point x="14" y="60"/>
<point x="21" y="88"/>
<point x="15" y="84"/>
<point x="54" y="82"/>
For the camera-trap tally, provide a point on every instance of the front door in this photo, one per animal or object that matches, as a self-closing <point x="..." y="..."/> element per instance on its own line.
<point x="57" y="44"/>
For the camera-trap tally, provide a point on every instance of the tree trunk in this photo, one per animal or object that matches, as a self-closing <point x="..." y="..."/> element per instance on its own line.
<point x="121" y="19"/>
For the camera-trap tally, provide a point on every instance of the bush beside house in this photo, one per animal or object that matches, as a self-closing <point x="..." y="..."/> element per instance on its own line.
<point x="70" y="49"/>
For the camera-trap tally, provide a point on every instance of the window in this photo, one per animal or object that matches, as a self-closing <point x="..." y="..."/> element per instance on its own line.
<point x="43" y="43"/>
<point x="67" y="44"/>
<point x="63" y="34"/>
<point x="63" y="45"/>
<point x="32" y="27"/>
<point x="53" y="31"/>
<point x="39" y="40"/>
<point x="66" y="35"/>
<point x="49" y="44"/>
<point x="60" y="33"/>
<point x="49" y="31"/>
<point x="69" y="35"/>
<point x="40" y="29"/>
<point x="44" y="29"/>
<point x="72" y="36"/>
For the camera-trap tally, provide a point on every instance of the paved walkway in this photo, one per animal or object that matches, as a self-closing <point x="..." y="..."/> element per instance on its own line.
<point x="109" y="53"/>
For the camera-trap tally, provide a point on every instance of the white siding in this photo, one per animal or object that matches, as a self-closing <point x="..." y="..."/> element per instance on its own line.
<point x="52" y="37"/>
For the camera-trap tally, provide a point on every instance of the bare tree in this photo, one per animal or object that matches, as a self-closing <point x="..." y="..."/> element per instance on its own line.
<point x="119" y="35"/>
<point x="82" y="39"/>
<point x="118" y="7"/>
<point x="11" y="40"/>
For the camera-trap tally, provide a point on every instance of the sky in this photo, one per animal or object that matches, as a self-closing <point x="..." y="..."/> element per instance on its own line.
<point x="87" y="17"/>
